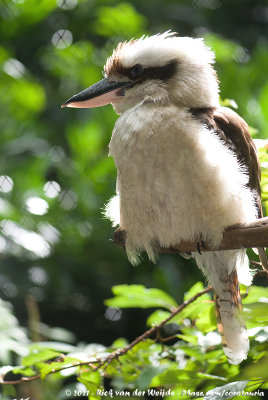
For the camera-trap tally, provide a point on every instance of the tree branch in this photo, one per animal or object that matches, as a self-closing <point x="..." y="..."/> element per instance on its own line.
<point x="117" y="353"/>
<point x="251" y="235"/>
<point x="153" y="329"/>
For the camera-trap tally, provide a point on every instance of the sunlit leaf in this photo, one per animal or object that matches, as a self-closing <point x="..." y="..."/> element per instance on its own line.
<point x="140" y="296"/>
<point x="196" y="288"/>
<point x="47" y="368"/>
<point x="38" y="355"/>
<point x="93" y="382"/>
<point x="25" y="371"/>
<point x="189" y="338"/>
<point x="206" y="321"/>
<point x="256" y="314"/>
<point x="254" y="294"/>
<point x="120" y="342"/>
<point x="157" y="317"/>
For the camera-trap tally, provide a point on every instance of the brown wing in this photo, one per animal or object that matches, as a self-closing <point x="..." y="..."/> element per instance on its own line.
<point x="233" y="130"/>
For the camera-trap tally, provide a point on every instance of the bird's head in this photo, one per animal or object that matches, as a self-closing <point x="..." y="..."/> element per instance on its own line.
<point x="160" y="68"/>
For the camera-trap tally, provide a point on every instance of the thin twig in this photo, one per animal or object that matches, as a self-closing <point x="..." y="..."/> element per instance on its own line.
<point x="119" y="352"/>
<point x="257" y="263"/>
<point x="153" y="329"/>
<point x="35" y="377"/>
<point x="261" y="271"/>
<point x="23" y="379"/>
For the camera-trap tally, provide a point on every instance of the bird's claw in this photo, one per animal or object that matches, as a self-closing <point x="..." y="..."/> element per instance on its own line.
<point x="200" y="244"/>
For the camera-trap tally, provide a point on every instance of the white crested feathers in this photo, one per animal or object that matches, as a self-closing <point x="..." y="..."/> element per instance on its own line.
<point x="158" y="50"/>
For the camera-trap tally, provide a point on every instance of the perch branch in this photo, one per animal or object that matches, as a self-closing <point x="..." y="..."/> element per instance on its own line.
<point x="250" y="235"/>
<point x="117" y="353"/>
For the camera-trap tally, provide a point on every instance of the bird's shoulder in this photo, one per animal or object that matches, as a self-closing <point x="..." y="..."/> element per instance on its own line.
<point x="234" y="132"/>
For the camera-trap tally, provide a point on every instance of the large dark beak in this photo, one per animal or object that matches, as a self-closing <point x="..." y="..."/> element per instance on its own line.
<point x="101" y="93"/>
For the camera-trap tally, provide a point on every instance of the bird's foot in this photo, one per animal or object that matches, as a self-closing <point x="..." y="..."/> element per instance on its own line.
<point x="120" y="237"/>
<point x="200" y="245"/>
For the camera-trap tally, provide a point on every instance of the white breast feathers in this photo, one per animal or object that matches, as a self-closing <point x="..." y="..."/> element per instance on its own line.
<point x="176" y="180"/>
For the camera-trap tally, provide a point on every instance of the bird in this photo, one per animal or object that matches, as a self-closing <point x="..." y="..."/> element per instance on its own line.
<point x="187" y="167"/>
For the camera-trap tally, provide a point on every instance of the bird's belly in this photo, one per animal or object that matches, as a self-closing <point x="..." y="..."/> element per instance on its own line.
<point x="178" y="182"/>
<point x="169" y="207"/>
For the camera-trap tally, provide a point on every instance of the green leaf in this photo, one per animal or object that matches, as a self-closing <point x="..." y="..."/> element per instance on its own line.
<point x="47" y="368"/>
<point x="258" y="311"/>
<point x="93" y="382"/>
<point x="157" y="317"/>
<point x="142" y="346"/>
<point x="254" y="385"/>
<point x="128" y="296"/>
<point x="39" y="355"/>
<point x="25" y="371"/>
<point x="193" y="351"/>
<point x="91" y="376"/>
<point x="256" y="314"/>
<point x="196" y="288"/>
<point x="173" y="375"/>
<point x="147" y="374"/>
<point x="189" y="338"/>
<point x="226" y="391"/>
<point x="206" y="320"/>
<point x="119" y="343"/>
<point x="201" y="312"/>
<point x="255" y="293"/>
<point x="258" y="369"/>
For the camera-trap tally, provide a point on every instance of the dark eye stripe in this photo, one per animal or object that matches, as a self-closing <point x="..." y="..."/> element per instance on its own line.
<point x="160" y="73"/>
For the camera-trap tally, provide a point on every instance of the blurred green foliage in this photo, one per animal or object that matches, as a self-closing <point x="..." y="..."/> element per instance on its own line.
<point x="192" y="360"/>
<point x="57" y="262"/>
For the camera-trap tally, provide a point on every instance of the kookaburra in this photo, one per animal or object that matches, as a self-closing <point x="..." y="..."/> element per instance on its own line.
<point x="186" y="167"/>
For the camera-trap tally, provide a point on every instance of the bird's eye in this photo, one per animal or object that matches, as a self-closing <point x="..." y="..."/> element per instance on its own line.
<point x="136" y="71"/>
